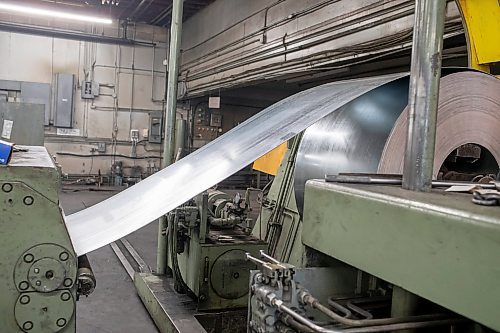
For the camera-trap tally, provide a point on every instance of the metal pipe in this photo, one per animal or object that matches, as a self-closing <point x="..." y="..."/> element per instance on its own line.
<point x="171" y="86"/>
<point x="180" y="137"/>
<point x="423" y="95"/>
<point x="170" y="112"/>
<point x="65" y="34"/>
<point x="382" y="328"/>
<point x="397" y="180"/>
<point x="339" y="307"/>
<point x="315" y="304"/>
<point x="268" y="257"/>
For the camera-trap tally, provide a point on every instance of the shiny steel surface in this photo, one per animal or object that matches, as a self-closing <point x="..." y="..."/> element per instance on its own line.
<point x="352" y="138"/>
<point x="133" y="208"/>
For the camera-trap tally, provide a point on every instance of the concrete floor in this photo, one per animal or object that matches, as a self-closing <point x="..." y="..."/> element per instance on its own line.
<point x="114" y="306"/>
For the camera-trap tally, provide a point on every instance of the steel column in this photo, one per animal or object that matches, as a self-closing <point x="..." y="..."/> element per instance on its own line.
<point x="423" y="94"/>
<point x="170" y="111"/>
<point x="180" y="138"/>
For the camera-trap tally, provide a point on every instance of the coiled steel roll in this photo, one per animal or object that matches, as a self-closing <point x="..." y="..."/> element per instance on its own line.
<point x="368" y="134"/>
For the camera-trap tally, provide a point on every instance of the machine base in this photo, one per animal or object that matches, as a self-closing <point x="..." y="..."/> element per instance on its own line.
<point x="176" y="313"/>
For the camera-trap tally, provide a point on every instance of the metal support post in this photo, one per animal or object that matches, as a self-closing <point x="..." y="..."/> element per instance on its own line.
<point x="423" y="95"/>
<point x="422" y="115"/>
<point x="170" y="111"/>
<point x="180" y="138"/>
<point x="204" y="218"/>
<point x="404" y="303"/>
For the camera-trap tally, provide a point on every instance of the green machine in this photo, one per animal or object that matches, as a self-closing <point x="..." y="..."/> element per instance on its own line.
<point x="353" y="250"/>
<point x="211" y="235"/>
<point x="438" y="245"/>
<point x="41" y="276"/>
<point x="206" y="288"/>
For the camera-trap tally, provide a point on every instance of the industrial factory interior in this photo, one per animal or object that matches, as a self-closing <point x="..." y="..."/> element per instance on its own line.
<point x="249" y="166"/>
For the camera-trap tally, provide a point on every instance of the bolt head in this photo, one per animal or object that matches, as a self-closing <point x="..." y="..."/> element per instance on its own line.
<point x="61" y="322"/>
<point x="25" y="299"/>
<point x="27" y="326"/>
<point x="28" y="258"/>
<point x="65" y="296"/>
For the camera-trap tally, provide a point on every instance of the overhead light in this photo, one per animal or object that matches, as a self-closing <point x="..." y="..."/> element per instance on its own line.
<point x="53" y="13"/>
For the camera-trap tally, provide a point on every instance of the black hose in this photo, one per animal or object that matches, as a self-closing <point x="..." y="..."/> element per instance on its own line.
<point x="107" y="155"/>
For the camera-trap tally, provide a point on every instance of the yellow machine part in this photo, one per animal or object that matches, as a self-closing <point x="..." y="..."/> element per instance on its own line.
<point x="482" y="25"/>
<point x="270" y="162"/>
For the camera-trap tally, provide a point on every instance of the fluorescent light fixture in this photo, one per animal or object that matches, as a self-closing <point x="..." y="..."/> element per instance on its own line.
<point x="53" y="13"/>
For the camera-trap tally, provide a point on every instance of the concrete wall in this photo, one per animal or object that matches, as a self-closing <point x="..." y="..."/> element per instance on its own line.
<point x="132" y="85"/>
<point x="237" y="42"/>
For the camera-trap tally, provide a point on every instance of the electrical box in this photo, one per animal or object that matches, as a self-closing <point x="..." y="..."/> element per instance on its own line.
<point x="90" y="89"/>
<point x="22" y="123"/>
<point x="101" y="147"/>
<point x="207" y="125"/>
<point x="216" y="119"/>
<point x="134" y="135"/>
<point x="155" y="126"/>
<point x="37" y="93"/>
<point x="27" y="92"/>
<point x="64" y="100"/>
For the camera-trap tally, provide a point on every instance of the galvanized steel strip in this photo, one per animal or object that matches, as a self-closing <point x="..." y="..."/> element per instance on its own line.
<point x="155" y="196"/>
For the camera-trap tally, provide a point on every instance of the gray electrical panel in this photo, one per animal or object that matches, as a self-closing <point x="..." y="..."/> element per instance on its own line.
<point x="37" y="93"/>
<point x="64" y="100"/>
<point x="10" y="85"/>
<point x="90" y="89"/>
<point x="155" y="126"/>
<point x="22" y="123"/>
<point x="28" y="92"/>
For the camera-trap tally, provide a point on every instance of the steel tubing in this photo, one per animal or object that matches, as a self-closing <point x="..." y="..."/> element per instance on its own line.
<point x="169" y="120"/>
<point x="423" y="96"/>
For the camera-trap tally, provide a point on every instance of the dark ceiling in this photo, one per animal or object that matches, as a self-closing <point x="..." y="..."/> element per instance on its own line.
<point x="155" y="12"/>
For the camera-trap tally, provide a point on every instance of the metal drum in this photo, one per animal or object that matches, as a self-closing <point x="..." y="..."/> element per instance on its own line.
<point x="352" y="138"/>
